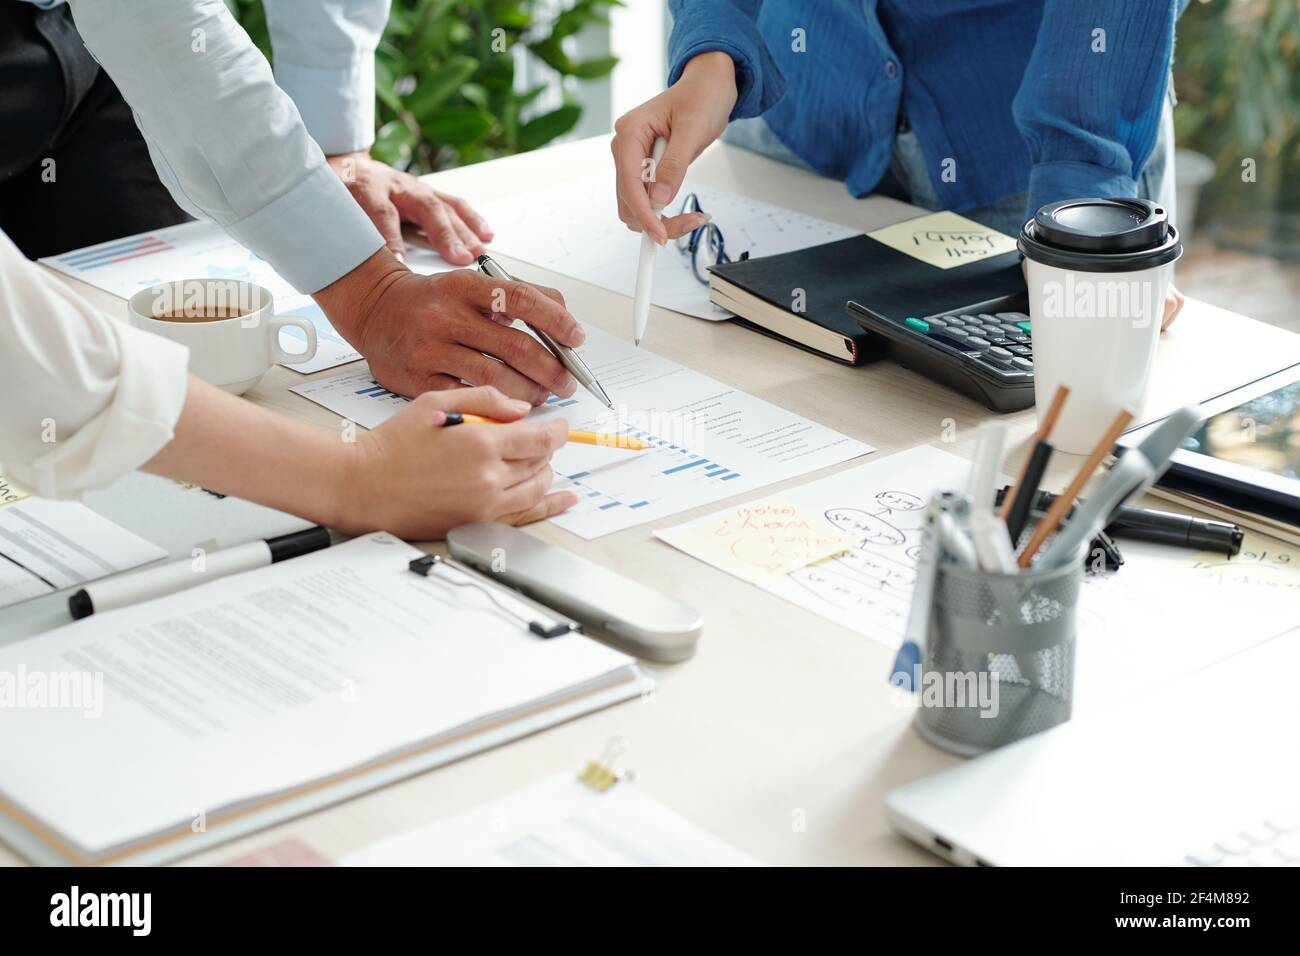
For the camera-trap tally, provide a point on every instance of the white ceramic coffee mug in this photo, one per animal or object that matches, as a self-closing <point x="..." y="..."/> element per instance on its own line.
<point x="1097" y="271"/>
<point x="230" y="328"/>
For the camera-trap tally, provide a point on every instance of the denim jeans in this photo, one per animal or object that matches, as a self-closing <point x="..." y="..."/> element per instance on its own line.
<point x="908" y="169"/>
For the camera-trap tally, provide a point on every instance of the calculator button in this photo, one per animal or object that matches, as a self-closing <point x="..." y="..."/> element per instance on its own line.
<point x="1000" y="340"/>
<point x="957" y="333"/>
<point x="1020" y="350"/>
<point x="938" y="323"/>
<point x="1024" y="327"/>
<point x="1019" y="339"/>
<point x="1023" y="364"/>
<point x="998" y="356"/>
<point x="979" y="343"/>
<point x="1013" y="317"/>
<point x="917" y="325"/>
<point x="1010" y="329"/>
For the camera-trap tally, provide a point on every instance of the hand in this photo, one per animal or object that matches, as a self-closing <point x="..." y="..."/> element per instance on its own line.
<point x="1174" y="302"/>
<point x="691" y="114"/>
<point x="417" y="479"/>
<point x="391" y="197"/>
<point x="422" y="333"/>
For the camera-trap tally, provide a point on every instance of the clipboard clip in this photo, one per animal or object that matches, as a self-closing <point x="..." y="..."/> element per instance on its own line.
<point x="603" y="772"/>
<point x="504" y="601"/>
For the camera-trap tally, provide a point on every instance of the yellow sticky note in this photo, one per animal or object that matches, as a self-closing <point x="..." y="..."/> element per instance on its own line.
<point x="761" y="539"/>
<point x="9" y="492"/>
<point x="944" y="239"/>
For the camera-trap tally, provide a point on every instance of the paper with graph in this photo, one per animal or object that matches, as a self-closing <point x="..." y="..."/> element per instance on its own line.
<point x="708" y="441"/>
<point x="573" y="228"/>
<point x="203" y="250"/>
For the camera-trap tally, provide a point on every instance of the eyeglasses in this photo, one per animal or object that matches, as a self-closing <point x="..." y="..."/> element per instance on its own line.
<point x="704" y="245"/>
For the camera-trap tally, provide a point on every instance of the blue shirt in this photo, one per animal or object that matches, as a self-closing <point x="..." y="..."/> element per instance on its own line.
<point x="1060" y="98"/>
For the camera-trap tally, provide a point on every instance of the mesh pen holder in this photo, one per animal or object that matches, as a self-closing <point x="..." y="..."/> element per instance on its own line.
<point x="999" y="657"/>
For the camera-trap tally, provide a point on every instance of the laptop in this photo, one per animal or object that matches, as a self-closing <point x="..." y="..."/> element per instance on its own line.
<point x="1201" y="771"/>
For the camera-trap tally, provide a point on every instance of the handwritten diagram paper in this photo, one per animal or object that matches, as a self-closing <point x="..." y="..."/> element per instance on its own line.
<point x="761" y="539"/>
<point x="881" y="507"/>
<point x="1163" y="614"/>
<point x="944" y="239"/>
<point x="573" y="228"/>
<point x="708" y="441"/>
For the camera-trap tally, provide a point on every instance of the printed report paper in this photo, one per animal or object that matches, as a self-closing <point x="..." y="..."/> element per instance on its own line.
<point x="708" y="441"/>
<point x="268" y="681"/>
<point x="46" y="546"/>
<point x="558" y="821"/>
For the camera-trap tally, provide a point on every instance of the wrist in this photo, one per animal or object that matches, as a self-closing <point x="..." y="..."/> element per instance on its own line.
<point x="350" y="300"/>
<point x="716" y="71"/>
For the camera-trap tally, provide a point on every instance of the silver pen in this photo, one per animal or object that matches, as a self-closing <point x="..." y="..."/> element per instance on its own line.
<point x="565" y="355"/>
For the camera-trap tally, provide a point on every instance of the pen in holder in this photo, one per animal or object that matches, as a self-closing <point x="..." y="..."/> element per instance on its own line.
<point x="998" y="660"/>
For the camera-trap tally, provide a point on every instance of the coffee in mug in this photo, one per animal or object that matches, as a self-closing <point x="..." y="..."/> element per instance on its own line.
<point x="229" y="326"/>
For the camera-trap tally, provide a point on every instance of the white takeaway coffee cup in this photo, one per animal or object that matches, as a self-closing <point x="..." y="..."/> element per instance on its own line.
<point x="1097" y="271"/>
<point x="229" y="326"/>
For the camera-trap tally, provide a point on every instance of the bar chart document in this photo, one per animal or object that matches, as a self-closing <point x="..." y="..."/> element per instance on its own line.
<point x="707" y="441"/>
<point x="203" y="250"/>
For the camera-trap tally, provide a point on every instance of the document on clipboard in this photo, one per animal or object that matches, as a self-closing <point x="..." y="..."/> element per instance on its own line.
<point x="159" y="729"/>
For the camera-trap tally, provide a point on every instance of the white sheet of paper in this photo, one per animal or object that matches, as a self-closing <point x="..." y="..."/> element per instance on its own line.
<point x="573" y="228"/>
<point x="709" y="441"/>
<point x="1151" y="621"/>
<point x="46" y="546"/>
<point x="264" y="681"/>
<point x="201" y="250"/>
<point x="558" y="821"/>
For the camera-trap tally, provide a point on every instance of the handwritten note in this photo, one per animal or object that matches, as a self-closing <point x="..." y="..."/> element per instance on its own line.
<point x="761" y="539"/>
<point x="881" y="509"/>
<point x="10" y="492"/>
<point x="944" y="239"/>
<point x="1263" y="564"/>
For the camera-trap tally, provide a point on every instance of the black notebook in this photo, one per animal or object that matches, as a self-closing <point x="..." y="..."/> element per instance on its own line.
<point x="766" y="294"/>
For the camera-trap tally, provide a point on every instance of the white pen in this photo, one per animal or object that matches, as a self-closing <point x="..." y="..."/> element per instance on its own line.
<point x="150" y="583"/>
<point x="992" y="543"/>
<point x="566" y="356"/>
<point x="645" y="267"/>
<point x="981" y="487"/>
<point x="956" y="543"/>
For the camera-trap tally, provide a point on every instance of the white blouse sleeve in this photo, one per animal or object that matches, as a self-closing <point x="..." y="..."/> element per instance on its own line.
<point x="84" y="398"/>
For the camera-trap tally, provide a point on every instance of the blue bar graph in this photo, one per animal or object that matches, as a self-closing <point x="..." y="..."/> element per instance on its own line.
<point x="690" y="464"/>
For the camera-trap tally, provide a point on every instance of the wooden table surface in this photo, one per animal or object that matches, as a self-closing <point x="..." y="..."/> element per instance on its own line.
<point x="780" y="735"/>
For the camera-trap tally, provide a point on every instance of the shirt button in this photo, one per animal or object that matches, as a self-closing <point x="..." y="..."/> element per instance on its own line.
<point x="891" y="69"/>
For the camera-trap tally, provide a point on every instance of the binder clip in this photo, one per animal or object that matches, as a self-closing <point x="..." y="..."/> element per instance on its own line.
<point x="603" y="772"/>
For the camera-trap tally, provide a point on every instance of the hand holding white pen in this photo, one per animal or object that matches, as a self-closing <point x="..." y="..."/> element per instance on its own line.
<point x="645" y="267"/>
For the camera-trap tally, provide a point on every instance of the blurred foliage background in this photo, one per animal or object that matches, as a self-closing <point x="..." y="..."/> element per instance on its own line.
<point x="1237" y="76"/>
<point x="445" y="76"/>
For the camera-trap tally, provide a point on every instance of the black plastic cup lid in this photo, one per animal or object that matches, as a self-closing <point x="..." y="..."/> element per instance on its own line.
<point x="1101" y="235"/>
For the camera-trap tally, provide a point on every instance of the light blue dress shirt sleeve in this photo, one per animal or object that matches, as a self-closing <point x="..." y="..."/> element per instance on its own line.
<point x="324" y="54"/>
<point x="227" y="142"/>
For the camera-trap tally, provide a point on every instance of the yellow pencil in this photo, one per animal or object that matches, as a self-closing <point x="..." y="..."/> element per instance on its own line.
<point x="575" y="435"/>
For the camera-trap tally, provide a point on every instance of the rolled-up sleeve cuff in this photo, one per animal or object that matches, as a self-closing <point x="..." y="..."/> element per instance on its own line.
<point x="125" y="434"/>
<point x="337" y="103"/>
<point x="320" y="207"/>
<point x="1052" y="182"/>
<point x="759" y="82"/>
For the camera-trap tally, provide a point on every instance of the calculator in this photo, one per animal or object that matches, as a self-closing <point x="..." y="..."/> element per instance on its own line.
<point x="986" y="355"/>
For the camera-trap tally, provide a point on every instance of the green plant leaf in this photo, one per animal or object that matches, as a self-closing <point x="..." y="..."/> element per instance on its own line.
<point x="552" y="54"/>
<point x="458" y="127"/>
<point x="542" y="129"/>
<point x="432" y="91"/>
<point x="394" y="144"/>
<point x="384" y="85"/>
<point x="595" y="68"/>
